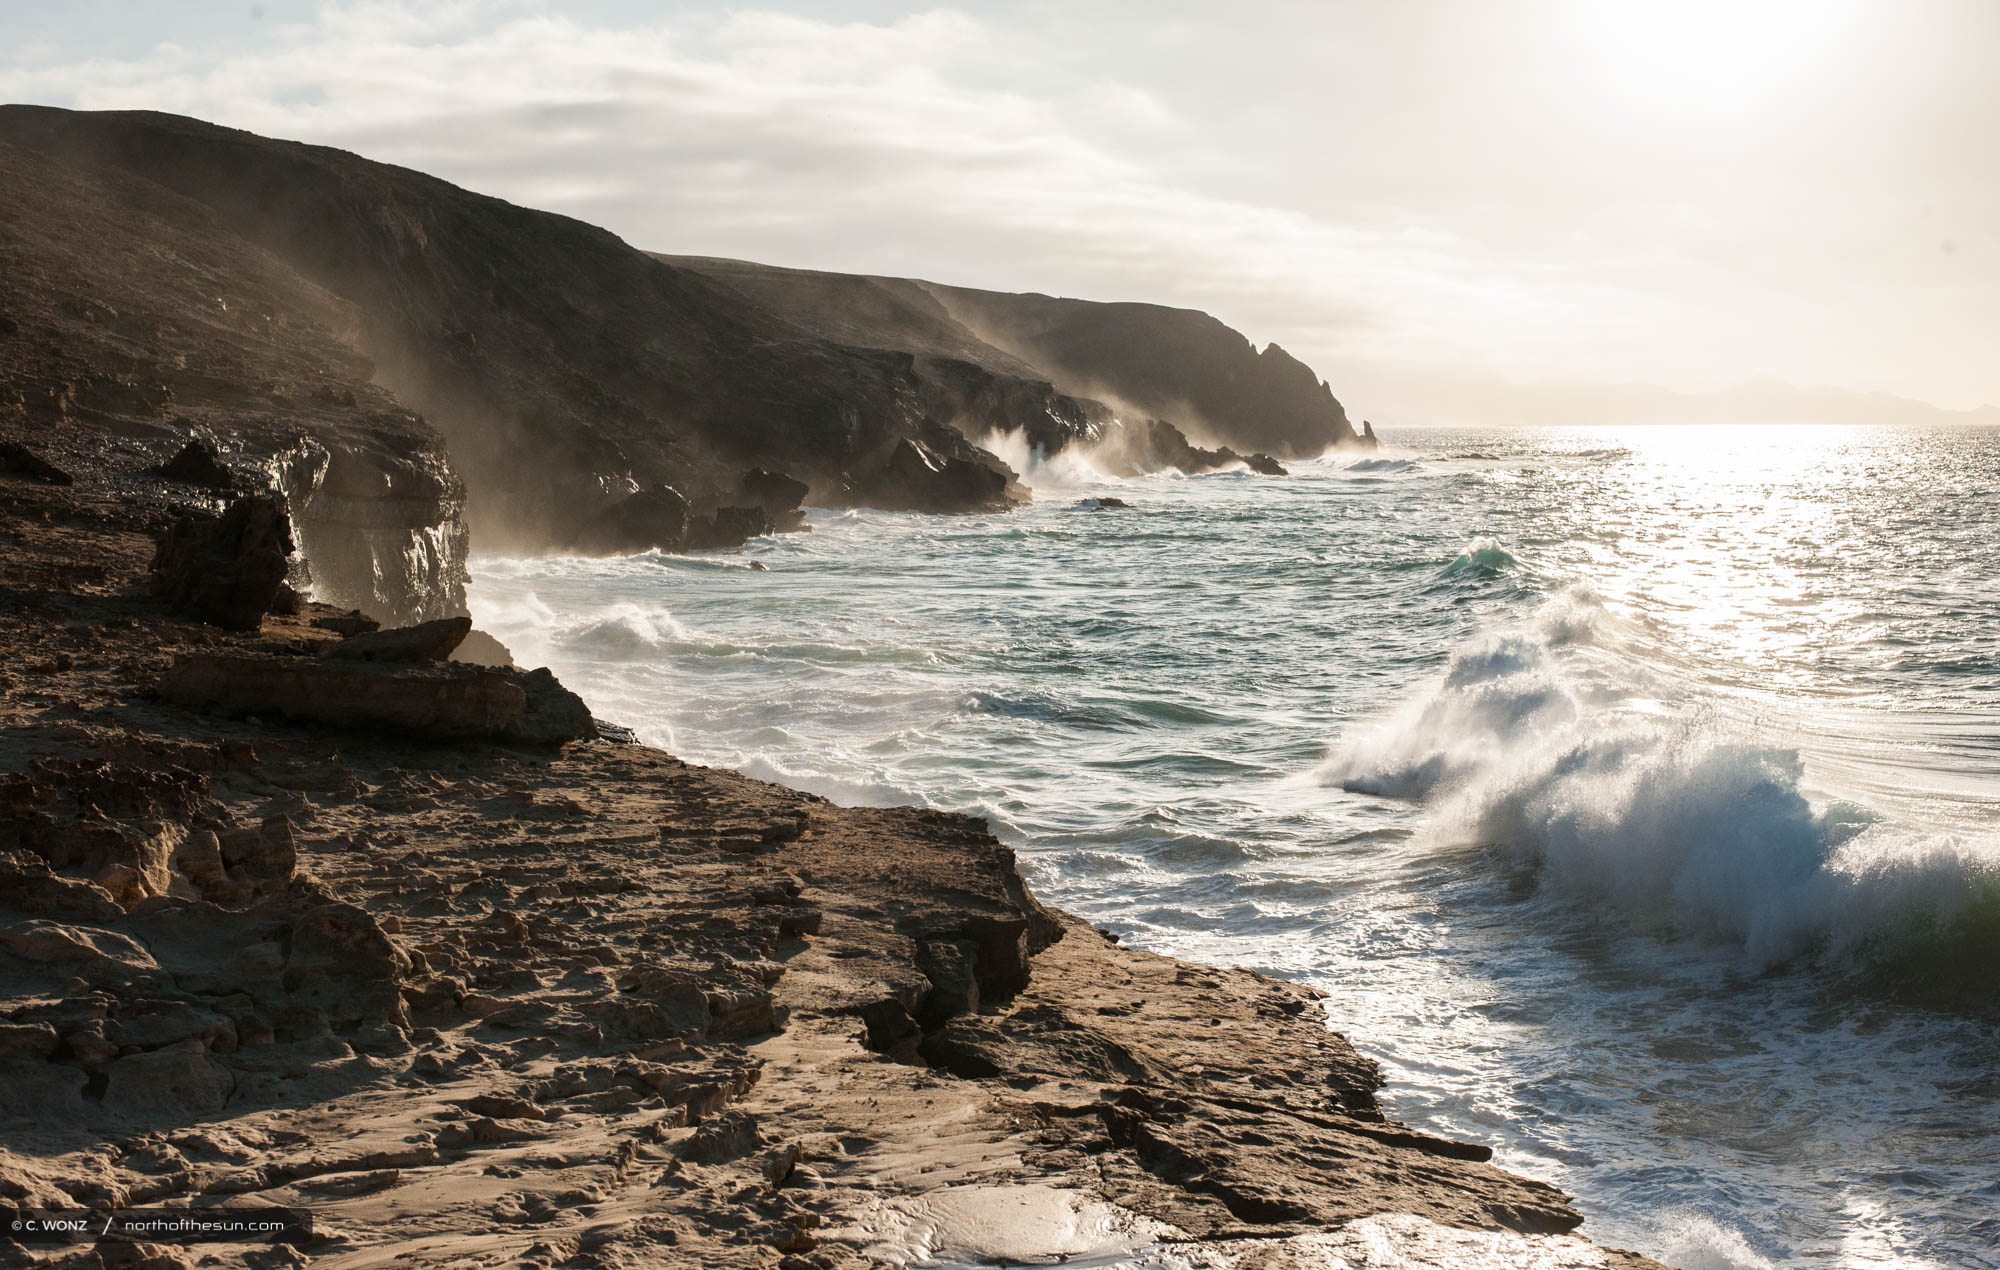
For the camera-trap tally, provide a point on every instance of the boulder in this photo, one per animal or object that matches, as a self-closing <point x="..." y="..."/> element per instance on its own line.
<point x="728" y="527"/>
<point x="650" y="520"/>
<point x="1264" y="465"/>
<point x="199" y="465"/>
<point x="781" y="497"/>
<point x="226" y="570"/>
<point x="19" y="460"/>
<point x="424" y="642"/>
<point x="916" y="477"/>
<point x="551" y="714"/>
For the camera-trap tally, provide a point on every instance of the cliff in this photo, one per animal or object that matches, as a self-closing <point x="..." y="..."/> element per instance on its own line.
<point x="133" y="323"/>
<point x="407" y="361"/>
<point x="565" y="370"/>
<point x="1073" y="363"/>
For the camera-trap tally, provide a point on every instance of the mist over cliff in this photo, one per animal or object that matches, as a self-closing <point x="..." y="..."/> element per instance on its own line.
<point x="588" y="395"/>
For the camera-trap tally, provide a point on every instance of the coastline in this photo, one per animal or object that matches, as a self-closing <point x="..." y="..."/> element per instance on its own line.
<point x="478" y="1002"/>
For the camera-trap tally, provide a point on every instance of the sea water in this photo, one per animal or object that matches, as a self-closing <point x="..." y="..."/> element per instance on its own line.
<point x="1633" y="792"/>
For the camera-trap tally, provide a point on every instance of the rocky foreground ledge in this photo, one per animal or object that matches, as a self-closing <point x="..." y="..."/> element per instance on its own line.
<point x="480" y="1001"/>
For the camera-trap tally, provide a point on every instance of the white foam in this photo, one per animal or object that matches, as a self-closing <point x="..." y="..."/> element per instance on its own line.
<point x="1546" y="742"/>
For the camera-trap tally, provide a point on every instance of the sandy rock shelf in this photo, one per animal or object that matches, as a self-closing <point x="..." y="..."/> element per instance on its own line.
<point x="484" y="1003"/>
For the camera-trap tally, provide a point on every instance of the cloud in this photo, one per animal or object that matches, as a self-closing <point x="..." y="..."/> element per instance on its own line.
<point x="989" y="154"/>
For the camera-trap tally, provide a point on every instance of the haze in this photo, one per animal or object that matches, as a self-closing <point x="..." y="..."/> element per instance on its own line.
<point x="1429" y="202"/>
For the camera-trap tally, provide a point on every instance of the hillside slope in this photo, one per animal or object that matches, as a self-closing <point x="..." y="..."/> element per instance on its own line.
<point x="565" y="369"/>
<point x="1079" y="362"/>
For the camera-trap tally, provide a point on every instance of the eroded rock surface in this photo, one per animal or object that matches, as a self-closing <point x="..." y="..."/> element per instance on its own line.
<point x="588" y="1005"/>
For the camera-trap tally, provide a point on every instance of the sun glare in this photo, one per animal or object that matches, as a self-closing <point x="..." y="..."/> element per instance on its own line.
<point x="1702" y="60"/>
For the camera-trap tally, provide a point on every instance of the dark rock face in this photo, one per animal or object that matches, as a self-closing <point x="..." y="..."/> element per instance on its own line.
<point x="780" y="497"/>
<point x="1176" y="363"/>
<point x="917" y="478"/>
<point x="559" y="362"/>
<point x="198" y="464"/>
<point x="226" y="570"/>
<point x="1046" y="367"/>
<point x="729" y="527"/>
<point x="19" y="460"/>
<point x="651" y="520"/>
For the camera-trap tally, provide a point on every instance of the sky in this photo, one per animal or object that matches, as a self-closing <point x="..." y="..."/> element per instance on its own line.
<point x="1423" y="199"/>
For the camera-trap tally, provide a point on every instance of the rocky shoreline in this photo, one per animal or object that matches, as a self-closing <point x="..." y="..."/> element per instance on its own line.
<point x="490" y="997"/>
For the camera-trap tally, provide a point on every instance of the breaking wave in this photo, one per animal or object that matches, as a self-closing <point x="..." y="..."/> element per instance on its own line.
<point x="1544" y="744"/>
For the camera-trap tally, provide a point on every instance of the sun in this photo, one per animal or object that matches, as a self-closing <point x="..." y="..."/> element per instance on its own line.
<point x="1698" y="61"/>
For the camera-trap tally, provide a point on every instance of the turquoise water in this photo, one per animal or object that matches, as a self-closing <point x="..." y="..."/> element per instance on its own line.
<point x="1634" y="792"/>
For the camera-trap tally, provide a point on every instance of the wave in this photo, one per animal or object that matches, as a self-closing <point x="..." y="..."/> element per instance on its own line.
<point x="1482" y="558"/>
<point x="1068" y="469"/>
<point x="1383" y="465"/>
<point x="1545" y="744"/>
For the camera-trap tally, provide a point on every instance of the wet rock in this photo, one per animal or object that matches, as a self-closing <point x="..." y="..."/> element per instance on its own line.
<point x="650" y="520"/>
<point x="1103" y="504"/>
<point x="424" y="642"/>
<point x="728" y="527"/>
<point x="1264" y="465"/>
<point x="917" y="477"/>
<point x="226" y="570"/>
<point x="199" y="465"/>
<point x="19" y="460"/>
<point x="779" y="496"/>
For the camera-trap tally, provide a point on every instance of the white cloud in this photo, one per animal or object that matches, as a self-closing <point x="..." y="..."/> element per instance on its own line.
<point x="945" y="146"/>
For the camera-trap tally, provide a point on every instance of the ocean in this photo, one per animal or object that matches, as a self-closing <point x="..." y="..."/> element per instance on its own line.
<point x="1634" y="792"/>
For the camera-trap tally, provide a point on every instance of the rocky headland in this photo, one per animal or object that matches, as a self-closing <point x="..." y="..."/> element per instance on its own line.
<point x="308" y="897"/>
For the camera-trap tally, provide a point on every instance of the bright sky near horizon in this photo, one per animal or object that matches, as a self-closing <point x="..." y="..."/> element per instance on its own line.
<point x="1686" y="193"/>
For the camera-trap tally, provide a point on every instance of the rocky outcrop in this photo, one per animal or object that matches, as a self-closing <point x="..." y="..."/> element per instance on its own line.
<point x="226" y="570"/>
<point x="158" y="961"/>
<point x="173" y="363"/>
<point x="425" y="642"/>
<point x="429" y="702"/>
<point x="920" y="478"/>
<point x="781" y="498"/>
<point x="1132" y="449"/>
